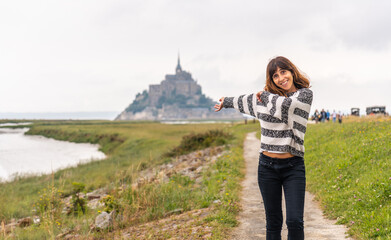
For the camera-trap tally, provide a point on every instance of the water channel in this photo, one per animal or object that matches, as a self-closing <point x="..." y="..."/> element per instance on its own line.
<point x="22" y="154"/>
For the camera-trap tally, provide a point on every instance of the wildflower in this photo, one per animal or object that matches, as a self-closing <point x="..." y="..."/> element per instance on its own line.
<point x="227" y="194"/>
<point x="359" y="199"/>
<point x="377" y="229"/>
<point x="352" y="222"/>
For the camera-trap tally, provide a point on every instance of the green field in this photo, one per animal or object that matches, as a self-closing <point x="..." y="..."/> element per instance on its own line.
<point x="348" y="169"/>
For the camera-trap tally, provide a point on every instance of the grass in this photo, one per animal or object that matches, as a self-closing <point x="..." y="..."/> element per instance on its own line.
<point x="349" y="170"/>
<point x="128" y="146"/>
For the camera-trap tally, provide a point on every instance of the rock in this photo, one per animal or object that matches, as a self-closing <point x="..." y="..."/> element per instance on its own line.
<point x="24" y="222"/>
<point x="169" y="166"/>
<point x="36" y="220"/>
<point x="192" y="168"/>
<point x="93" y="196"/>
<point x="217" y="201"/>
<point x="103" y="221"/>
<point x="199" y="169"/>
<point x="8" y="228"/>
<point x="99" y="191"/>
<point x="198" y="180"/>
<point x="162" y="177"/>
<point x="67" y="200"/>
<point x="95" y="203"/>
<point x="64" y="234"/>
<point x="67" y="210"/>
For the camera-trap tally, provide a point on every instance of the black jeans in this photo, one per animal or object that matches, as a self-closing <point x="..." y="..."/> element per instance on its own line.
<point x="275" y="174"/>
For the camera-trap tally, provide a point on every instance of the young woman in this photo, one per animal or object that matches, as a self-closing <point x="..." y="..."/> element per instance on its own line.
<point x="283" y="109"/>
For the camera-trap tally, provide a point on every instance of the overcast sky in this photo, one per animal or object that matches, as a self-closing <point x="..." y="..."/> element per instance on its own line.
<point x="72" y="56"/>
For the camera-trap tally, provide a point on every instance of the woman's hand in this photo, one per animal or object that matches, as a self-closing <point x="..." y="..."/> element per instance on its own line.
<point x="218" y="107"/>
<point x="259" y="96"/>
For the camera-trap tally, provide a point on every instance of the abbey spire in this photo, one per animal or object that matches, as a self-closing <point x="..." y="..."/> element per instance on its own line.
<point x="178" y="67"/>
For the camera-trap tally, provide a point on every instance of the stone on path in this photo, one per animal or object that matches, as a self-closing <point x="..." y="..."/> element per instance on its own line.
<point x="252" y="221"/>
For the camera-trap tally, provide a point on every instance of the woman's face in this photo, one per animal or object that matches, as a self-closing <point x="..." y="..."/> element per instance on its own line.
<point x="283" y="78"/>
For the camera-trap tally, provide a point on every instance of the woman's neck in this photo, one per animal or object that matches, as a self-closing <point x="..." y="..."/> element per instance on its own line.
<point x="292" y="89"/>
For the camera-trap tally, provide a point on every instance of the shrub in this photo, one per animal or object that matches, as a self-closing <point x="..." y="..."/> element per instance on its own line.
<point x="79" y="204"/>
<point x="193" y="142"/>
<point x="111" y="203"/>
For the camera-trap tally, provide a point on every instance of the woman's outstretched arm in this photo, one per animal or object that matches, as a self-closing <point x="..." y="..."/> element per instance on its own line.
<point x="266" y="104"/>
<point x="245" y="104"/>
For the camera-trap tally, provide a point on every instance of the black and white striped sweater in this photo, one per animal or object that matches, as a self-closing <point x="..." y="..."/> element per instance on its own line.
<point x="283" y="119"/>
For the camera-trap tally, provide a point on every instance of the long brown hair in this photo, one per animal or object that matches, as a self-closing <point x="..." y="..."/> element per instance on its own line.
<point x="299" y="78"/>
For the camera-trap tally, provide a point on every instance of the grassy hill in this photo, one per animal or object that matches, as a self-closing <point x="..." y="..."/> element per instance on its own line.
<point x="349" y="170"/>
<point x="130" y="147"/>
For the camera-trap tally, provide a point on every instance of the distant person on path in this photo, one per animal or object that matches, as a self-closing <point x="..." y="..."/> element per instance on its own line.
<point x="324" y="116"/>
<point x="339" y="117"/>
<point x="282" y="109"/>
<point x="334" y="116"/>
<point x="316" y="116"/>
<point x="328" y="116"/>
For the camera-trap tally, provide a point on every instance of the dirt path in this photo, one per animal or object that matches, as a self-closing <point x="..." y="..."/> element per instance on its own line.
<point x="252" y="218"/>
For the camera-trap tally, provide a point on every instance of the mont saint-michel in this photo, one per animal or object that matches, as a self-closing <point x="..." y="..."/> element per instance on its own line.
<point x="177" y="97"/>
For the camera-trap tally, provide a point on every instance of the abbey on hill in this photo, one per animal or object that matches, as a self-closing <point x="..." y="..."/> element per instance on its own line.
<point x="177" y="97"/>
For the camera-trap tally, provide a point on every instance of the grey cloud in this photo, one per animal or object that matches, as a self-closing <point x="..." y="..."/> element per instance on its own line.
<point x="363" y="24"/>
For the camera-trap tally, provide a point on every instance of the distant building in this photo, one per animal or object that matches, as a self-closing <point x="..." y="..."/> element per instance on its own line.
<point x="177" y="97"/>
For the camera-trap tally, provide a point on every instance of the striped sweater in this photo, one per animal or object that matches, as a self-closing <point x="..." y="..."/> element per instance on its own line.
<point x="283" y="119"/>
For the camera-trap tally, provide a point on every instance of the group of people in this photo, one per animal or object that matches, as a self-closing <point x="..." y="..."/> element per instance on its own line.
<point x="324" y="116"/>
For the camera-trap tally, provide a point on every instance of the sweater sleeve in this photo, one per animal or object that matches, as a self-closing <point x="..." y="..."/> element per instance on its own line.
<point x="271" y="104"/>
<point x="245" y="103"/>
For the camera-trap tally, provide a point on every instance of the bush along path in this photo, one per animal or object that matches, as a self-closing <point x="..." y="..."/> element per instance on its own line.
<point x="252" y="221"/>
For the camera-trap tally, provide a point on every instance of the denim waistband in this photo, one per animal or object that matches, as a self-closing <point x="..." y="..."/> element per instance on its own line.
<point x="280" y="160"/>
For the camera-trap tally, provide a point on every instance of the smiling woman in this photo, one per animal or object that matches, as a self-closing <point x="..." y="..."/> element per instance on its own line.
<point x="282" y="109"/>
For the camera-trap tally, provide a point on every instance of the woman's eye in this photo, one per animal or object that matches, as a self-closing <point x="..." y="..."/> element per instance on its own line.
<point x="283" y="71"/>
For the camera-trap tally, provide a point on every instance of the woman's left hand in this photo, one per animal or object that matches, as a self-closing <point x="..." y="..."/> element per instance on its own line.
<point x="259" y="96"/>
<point x="218" y="107"/>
